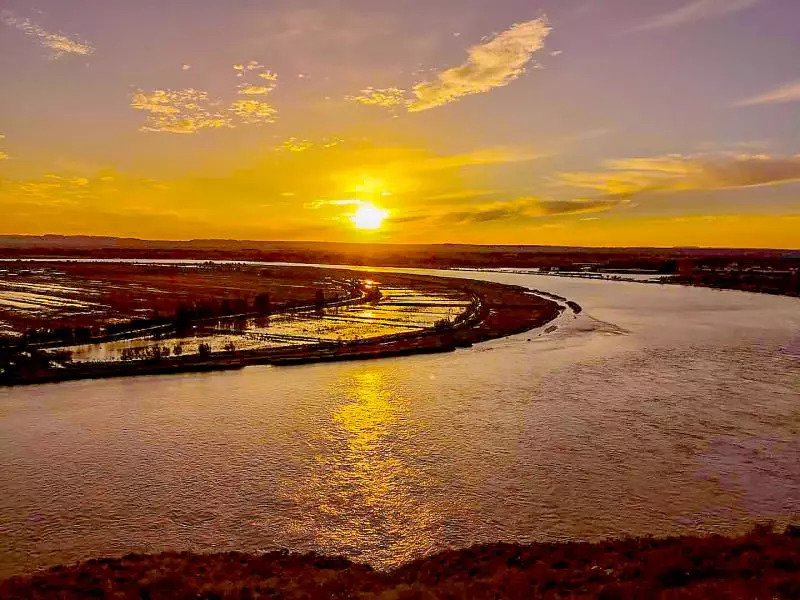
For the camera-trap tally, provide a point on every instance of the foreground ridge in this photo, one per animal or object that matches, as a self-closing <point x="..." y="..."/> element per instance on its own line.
<point x="760" y="564"/>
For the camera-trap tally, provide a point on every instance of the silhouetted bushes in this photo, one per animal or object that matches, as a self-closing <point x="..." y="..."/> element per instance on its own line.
<point x="760" y="564"/>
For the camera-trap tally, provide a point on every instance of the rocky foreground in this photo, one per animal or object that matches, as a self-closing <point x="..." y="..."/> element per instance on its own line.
<point x="761" y="564"/>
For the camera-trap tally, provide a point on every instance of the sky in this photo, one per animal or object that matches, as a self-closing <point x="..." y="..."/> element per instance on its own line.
<point x="566" y="122"/>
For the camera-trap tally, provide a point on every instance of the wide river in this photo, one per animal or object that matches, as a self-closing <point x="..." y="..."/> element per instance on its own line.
<point x="658" y="410"/>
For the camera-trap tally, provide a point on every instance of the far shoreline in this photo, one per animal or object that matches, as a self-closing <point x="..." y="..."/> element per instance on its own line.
<point x="713" y="280"/>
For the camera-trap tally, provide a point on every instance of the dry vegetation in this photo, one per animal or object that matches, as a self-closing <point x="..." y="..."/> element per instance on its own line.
<point x="761" y="564"/>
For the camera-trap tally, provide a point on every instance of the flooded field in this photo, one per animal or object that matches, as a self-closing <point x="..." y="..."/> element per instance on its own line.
<point x="42" y="295"/>
<point x="30" y="295"/>
<point x="214" y="316"/>
<point x="398" y="310"/>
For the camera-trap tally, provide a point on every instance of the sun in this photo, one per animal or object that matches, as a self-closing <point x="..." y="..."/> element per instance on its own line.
<point x="369" y="216"/>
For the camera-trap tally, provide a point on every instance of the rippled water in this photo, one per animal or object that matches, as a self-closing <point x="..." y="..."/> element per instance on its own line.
<point x="658" y="410"/>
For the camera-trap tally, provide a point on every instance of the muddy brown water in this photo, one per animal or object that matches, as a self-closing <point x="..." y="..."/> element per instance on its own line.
<point x="657" y="410"/>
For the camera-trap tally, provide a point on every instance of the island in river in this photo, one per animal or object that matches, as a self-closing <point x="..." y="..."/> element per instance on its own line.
<point x="68" y="320"/>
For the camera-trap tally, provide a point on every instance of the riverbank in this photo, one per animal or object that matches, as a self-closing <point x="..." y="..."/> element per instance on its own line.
<point x="760" y="564"/>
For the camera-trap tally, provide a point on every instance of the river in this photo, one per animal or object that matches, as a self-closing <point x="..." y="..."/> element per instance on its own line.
<point x="658" y="410"/>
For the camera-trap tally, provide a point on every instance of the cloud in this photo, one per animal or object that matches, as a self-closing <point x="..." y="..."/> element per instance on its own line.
<point x="59" y="44"/>
<point x="696" y="10"/>
<point x="243" y="68"/>
<point x="423" y="190"/>
<point x="253" y="111"/>
<point x="786" y="93"/>
<point x="678" y="173"/>
<point x="179" y="111"/>
<point x="401" y="220"/>
<point x="491" y="64"/>
<point x="52" y="189"/>
<point x="261" y="88"/>
<point x="476" y="158"/>
<point x="255" y="90"/>
<point x="571" y="207"/>
<point x="385" y="97"/>
<point x="459" y="195"/>
<point x="3" y="155"/>
<point x="497" y="211"/>
<point x="526" y="208"/>
<point x="191" y="110"/>
<point x="294" y="144"/>
<point x="342" y="202"/>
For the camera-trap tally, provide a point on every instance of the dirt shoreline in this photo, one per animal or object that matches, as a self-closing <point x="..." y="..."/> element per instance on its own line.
<point x="502" y="310"/>
<point x="760" y="564"/>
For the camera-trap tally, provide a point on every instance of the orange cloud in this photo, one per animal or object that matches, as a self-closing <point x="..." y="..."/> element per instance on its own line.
<point x="491" y="64"/>
<point x="677" y="173"/>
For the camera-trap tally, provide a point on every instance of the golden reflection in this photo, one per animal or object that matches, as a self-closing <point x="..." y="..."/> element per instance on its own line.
<point x="363" y="496"/>
<point x="368" y="419"/>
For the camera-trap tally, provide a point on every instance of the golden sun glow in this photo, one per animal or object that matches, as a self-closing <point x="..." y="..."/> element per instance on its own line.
<point x="370" y="186"/>
<point x="369" y="216"/>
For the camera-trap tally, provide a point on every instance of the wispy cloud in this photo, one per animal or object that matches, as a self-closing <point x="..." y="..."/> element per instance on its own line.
<point x="3" y="154"/>
<point x="526" y="208"/>
<point x="320" y="203"/>
<point x="384" y="97"/>
<point x="785" y="93"/>
<point x="696" y="10"/>
<point x="482" y="157"/>
<point x="679" y="173"/>
<point x="294" y="144"/>
<point x="60" y="44"/>
<point x="494" y="63"/>
<point x="255" y="90"/>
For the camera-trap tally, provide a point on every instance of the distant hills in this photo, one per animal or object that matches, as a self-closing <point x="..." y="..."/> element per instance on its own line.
<point x="405" y="255"/>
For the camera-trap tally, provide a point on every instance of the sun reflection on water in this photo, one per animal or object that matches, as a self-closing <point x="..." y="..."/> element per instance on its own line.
<point x="369" y="501"/>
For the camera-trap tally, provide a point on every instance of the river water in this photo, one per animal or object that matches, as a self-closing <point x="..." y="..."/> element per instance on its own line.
<point x="658" y="410"/>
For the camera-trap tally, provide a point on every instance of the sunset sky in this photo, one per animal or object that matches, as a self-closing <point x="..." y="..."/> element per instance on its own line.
<point x="581" y="122"/>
